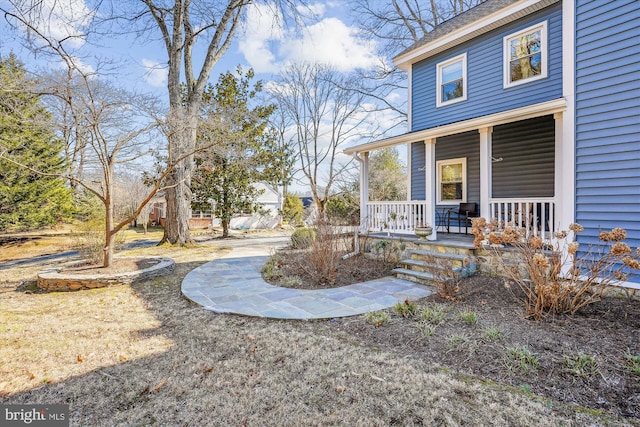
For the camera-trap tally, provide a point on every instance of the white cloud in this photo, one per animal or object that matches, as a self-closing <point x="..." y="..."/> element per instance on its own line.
<point x="262" y="28"/>
<point x="62" y="20"/>
<point x="267" y="48"/>
<point x="313" y="10"/>
<point x="156" y="74"/>
<point x="332" y="42"/>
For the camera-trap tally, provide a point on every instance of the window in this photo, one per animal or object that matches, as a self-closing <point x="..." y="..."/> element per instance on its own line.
<point x="452" y="180"/>
<point x="451" y="80"/>
<point x="525" y="55"/>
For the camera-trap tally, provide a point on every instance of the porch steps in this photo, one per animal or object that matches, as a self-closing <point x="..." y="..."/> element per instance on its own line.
<point x="438" y="262"/>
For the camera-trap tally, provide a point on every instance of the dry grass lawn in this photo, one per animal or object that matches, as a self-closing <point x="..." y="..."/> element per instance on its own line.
<point x="144" y="355"/>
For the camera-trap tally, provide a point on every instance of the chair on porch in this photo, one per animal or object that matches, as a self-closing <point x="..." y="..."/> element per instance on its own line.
<point x="465" y="213"/>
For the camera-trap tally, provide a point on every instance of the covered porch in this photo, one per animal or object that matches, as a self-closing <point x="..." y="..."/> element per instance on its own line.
<point x="509" y="166"/>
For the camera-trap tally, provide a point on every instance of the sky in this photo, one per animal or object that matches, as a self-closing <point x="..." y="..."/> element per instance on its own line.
<point x="328" y="37"/>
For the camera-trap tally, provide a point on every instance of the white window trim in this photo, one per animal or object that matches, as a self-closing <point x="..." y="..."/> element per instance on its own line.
<point x="439" y="165"/>
<point x="439" y="66"/>
<point x="544" y="50"/>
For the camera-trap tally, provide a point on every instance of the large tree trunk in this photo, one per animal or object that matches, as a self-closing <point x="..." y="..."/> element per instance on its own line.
<point x="109" y="236"/>
<point x="182" y="141"/>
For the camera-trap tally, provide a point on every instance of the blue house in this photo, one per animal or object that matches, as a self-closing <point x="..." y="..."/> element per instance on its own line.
<point x="524" y="109"/>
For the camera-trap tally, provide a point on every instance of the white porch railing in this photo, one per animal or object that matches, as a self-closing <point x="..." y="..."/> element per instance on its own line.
<point x="396" y="217"/>
<point x="536" y="215"/>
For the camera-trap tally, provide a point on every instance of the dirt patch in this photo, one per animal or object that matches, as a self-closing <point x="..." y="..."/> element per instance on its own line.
<point x="591" y="359"/>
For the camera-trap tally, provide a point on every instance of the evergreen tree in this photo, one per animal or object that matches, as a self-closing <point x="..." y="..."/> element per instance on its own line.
<point x="32" y="193"/>
<point x="245" y="150"/>
<point x="387" y="175"/>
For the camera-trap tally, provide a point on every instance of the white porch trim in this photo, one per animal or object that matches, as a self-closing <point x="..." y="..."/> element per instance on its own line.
<point x="430" y="184"/>
<point x="485" y="168"/>
<point x="528" y="112"/>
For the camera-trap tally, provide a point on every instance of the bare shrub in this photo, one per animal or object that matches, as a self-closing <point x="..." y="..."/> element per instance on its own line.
<point x="324" y="253"/>
<point x="558" y="276"/>
<point x="445" y="278"/>
<point x="89" y="240"/>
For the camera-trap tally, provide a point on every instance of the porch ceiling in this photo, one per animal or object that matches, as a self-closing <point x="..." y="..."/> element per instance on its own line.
<point x="536" y="110"/>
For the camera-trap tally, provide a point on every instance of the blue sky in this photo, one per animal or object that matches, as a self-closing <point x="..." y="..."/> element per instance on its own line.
<point x="329" y="37"/>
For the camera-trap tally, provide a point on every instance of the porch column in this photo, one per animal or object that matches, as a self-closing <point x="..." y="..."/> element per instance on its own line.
<point x="485" y="170"/>
<point x="430" y="183"/>
<point x="364" y="189"/>
<point x="562" y="173"/>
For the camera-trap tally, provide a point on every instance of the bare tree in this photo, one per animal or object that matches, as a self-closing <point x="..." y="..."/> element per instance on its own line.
<point x="396" y="25"/>
<point x="326" y="113"/>
<point x="115" y="125"/>
<point x="183" y="26"/>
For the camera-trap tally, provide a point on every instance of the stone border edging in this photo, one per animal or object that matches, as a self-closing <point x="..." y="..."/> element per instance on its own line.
<point x="52" y="280"/>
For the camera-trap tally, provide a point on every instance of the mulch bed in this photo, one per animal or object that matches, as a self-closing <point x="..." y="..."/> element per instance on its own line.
<point x="118" y="266"/>
<point x="358" y="268"/>
<point x="581" y="359"/>
<point x="607" y="331"/>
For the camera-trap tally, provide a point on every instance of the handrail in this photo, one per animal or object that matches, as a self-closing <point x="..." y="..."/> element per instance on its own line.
<point x="535" y="214"/>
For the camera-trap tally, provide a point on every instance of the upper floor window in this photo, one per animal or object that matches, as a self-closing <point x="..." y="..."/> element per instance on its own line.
<point x="525" y="55"/>
<point x="452" y="80"/>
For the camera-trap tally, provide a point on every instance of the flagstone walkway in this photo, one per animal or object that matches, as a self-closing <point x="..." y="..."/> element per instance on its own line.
<point x="233" y="284"/>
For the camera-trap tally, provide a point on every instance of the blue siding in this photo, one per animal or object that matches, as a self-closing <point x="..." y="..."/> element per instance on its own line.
<point x="608" y="118"/>
<point x="449" y="147"/>
<point x="485" y="76"/>
<point x="418" y="172"/>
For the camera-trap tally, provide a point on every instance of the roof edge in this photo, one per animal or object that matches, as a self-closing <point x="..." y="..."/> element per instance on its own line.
<point x="455" y="31"/>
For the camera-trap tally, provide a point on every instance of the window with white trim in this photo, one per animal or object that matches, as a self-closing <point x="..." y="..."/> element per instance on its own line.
<point x="451" y="80"/>
<point x="452" y="181"/>
<point x="525" y="55"/>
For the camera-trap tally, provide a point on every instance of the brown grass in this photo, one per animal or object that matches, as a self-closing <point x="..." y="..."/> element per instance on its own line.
<point x="145" y="355"/>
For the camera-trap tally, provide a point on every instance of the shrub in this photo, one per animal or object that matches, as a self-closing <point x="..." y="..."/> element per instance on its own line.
<point x="445" y="277"/>
<point x="388" y="251"/>
<point x="433" y="315"/>
<point x="581" y="365"/>
<point x="558" y="277"/>
<point x="469" y="317"/>
<point x="271" y="270"/>
<point x="522" y="358"/>
<point x="343" y="209"/>
<point x="406" y="308"/>
<point x="376" y="318"/>
<point x="302" y="238"/>
<point x="323" y="254"/>
<point x="293" y="209"/>
<point x="493" y="333"/>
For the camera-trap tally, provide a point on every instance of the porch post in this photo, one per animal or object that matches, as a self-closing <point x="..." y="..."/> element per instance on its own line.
<point x="485" y="170"/>
<point x="559" y="197"/>
<point x="364" y="189"/>
<point x="430" y="184"/>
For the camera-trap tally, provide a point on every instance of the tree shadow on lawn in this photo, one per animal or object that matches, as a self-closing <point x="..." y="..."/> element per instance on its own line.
<point x="178" y="364"/>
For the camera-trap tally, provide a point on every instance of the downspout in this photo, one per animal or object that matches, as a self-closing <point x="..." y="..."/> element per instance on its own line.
<point x="356" y="237"/>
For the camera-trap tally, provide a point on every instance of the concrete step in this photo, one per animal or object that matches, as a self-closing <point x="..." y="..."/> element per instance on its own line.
<point x="424" y="278"/>
<point x="453" y="258"/>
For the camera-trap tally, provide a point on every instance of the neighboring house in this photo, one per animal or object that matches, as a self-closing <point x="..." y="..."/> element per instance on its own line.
<point x="526" y="108"/>
<point x="267" y="216"/>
